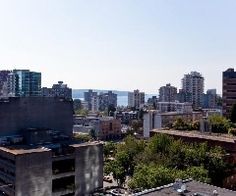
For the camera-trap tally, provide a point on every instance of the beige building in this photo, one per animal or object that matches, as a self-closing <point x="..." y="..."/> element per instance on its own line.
<point x="136" y="99"/>
<point x="167" y="93"/>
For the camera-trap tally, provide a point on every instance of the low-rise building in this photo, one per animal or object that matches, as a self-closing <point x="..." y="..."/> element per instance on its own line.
<point x="127" y="117"/>
<point x="104" y="127"/>
<point x="174" y="107"/>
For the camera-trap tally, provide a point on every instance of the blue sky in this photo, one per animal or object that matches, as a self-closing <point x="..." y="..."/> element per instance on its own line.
<point x="119" y="44"/>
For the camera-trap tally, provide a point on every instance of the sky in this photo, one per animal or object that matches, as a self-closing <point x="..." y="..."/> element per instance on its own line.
<point x="119" y="44"/>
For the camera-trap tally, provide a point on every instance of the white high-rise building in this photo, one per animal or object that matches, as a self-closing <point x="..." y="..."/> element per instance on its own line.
<point x="136" y="99"/>
<point x="193" y="86"/>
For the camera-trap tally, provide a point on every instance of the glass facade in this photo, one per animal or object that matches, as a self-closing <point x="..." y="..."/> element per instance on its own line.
<point x="27" y="83"/>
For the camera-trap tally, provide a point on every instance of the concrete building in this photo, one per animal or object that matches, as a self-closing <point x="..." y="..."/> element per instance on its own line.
<point x="150" y="122"/>
<point x="136" y="99"/>
<point x="38" y="156"/>
<point x="4" y="77"/>
<point x="106" y="100"/>
<point x="51" y="170"/>
<point x="95" y="104"/>
<point x="85" y="105"/>
<point x="155" y="120"/>
<point x="18" y="114"/>
<point x="127" y="117"/>
<point x="193" y="86"/>
<point x="88" y="97"/>
<point x="164" y="107"/>
<point x="183" y="96"/>
<point x="209" y="99"/>
<point x="58" y="90"/>
<point x="229" y="90"/>
<point x="167" y="93"/>
<point x="152" y="102"/>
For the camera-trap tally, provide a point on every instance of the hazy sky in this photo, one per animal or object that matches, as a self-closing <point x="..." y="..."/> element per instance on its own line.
<point x="119" y="44"/>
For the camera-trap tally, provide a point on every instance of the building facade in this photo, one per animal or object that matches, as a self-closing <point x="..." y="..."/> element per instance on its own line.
<point x="209" y="99"/>
<point x="95" y="104"/>
<point x="136" y="99"/>
<point x="229" y="90"/>
<point x="88" y="97"/>
<point x="107" y="100"/>
<point x="193" y="86"/>
<point x="4" y="77"/>
<point x="76" y="169"/>
<point x="167" y="93"/>
<point x="105" y="127"/>
<point x="150" y="120"/>
<point x="24" y="83"/>
<point x="174" y="107"/>
<point x="58" y="90"/>
<point x="38" y="155"/>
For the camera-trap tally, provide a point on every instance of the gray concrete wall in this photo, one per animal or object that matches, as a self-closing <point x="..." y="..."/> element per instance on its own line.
<point x="21" y="113"/>
<point x="33" y="174"/>
<point x="89" y="169"/>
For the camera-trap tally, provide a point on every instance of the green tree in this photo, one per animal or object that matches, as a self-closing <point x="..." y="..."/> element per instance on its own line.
<point x="82" y="137"/>
<point x="111" y="110"/>
<point x="216" y="165"/>
<point x="118" y="172"/>
<point x="109" y="149"/>
<point x="160" y="143"/>
<point x="82" y="112"/>
<point x="219" y="124"/>
<point x="180" y="124"/>
<point x="77" y="105"/>
<point x="92" y="134"/>
<point x="136" y="125"/>
<point x="198" y="173"/>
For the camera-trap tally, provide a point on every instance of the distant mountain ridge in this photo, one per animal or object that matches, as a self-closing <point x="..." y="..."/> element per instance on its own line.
<point x="79" y="93"/>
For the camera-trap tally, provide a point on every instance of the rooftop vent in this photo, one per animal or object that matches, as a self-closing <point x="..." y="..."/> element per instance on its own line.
<point x="179" y="186"/>
<point x="215" y="193"/>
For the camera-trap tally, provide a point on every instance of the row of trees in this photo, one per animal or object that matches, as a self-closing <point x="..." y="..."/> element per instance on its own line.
<point x="218" y="123"/>
<point x="161" y="160"/>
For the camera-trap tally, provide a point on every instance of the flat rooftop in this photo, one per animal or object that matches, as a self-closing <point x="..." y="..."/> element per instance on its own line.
<point x="192" y="188"/>
<point x="95" y="143"/>
<point x="198" y="134"/>
<point x="18" y="150"/>
<point x="25" y="149"/>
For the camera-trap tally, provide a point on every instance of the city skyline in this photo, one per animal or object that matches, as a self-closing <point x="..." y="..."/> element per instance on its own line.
<point x="123" y="45"/>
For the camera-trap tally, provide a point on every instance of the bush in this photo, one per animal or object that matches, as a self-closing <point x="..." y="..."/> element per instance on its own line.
<point x="219" y="124"/>
<point x="232" y="131"/>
